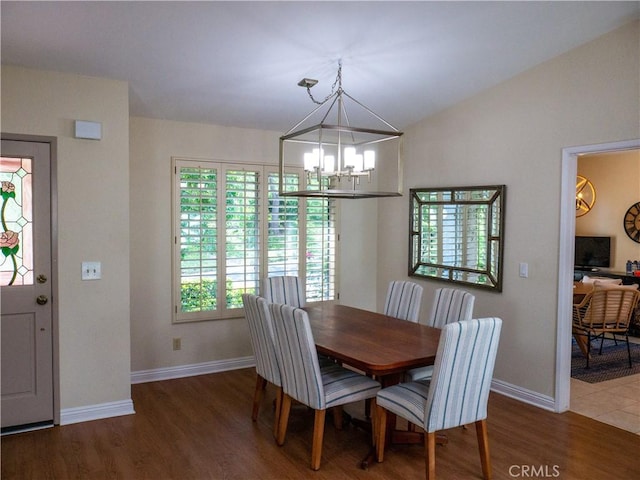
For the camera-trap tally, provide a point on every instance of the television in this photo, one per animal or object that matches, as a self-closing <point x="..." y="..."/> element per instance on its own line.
<point x="592" y="252"/>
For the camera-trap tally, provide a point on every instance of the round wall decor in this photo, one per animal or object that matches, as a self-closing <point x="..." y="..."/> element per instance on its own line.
<point x="585" y="196"/>
<point x="632" y="222"/>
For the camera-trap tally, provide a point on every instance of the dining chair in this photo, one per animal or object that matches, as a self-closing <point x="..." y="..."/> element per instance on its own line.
<point x="449" y="305"/>
<point x="304" y="381"/>
<point x="403" y="300"/>
<point x="287" y="289"/>
<point x="605" y="310"/>
<point x="457" y="394"/>
<point x="262" y="340"/>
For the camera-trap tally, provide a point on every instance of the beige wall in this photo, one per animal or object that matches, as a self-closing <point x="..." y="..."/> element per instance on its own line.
<point x="93" y="223"/>
<point x="153" y="143"/>
<point x="514" y="134"/>
<point x="616" y="179"/>
<point x="110" y="206"/>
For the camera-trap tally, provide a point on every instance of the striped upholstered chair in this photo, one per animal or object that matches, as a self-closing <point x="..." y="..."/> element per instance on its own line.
<point x="449" y="305"/>
<point x="403" y="300"/>
<point x="305" y="381"/>
<point x="457" y="394"/>
<point x="288" y="290"/>
<point x="262" y="340"/>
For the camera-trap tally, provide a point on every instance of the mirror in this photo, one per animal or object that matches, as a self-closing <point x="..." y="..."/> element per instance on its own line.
<point x="456" y="234"/>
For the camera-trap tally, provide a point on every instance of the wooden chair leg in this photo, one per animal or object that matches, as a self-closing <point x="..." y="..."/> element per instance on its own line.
<point x="318" y="435"/>
<point x="374" y="423"/>
<point x="381" y="421"/>
<point x="430" y="454"/>
<point x="284" y="419"/>
<point x="626" y="337"/>
<point x="276" y="421"/>
<point x="261" y="384"/>
<point x="483" y="445"/>
<point x="337" y="417"/>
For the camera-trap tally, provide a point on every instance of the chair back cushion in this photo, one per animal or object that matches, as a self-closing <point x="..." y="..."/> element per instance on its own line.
<point x="451" y="305"/>
<point x="297" y="355"/>
<point x="602" y="280"/>
<point x="403" y="300"/>
<point x="287" y="290"/>
<point x="261" y="334"/>
<point x="462" y="373"/>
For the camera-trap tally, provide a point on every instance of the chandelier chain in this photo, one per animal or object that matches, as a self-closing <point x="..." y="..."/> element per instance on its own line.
<point x="338" y="82"/>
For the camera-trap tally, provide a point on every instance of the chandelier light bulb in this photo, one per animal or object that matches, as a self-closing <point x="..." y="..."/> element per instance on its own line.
<point x="369" y="160"/>
<point x="349" y="157"/>
<point x="329" y="164"/>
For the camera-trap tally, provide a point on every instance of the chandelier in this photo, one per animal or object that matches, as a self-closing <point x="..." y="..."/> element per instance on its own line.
<point x="345" y="149"/>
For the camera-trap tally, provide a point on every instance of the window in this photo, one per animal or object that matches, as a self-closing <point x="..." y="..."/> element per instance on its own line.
<point x="231" y="228"/>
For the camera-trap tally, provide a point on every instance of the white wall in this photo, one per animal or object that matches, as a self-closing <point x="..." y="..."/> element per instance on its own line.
<point x="616" y="179"/>
<point x="93" y="223"/>
<point x="153" y="143"/>
<point x="513" y="134"/>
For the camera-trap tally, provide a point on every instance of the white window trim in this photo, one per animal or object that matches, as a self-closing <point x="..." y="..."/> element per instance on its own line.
<point x="222" y="312"/>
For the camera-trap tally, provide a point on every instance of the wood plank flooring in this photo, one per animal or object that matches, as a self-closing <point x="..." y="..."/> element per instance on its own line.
<point x="200" y="428"/>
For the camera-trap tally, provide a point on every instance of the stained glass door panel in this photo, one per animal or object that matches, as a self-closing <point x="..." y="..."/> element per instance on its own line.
<point x="16" y="215"/>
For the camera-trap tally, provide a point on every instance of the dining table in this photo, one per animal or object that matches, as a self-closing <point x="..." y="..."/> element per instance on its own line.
<point x="381" y="346"/>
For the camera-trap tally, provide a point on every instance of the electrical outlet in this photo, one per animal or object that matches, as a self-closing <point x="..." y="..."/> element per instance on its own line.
<point x="177" y="343"/>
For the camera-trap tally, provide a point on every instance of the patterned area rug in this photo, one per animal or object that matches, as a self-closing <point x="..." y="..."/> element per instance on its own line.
<point x="613" y="363"/>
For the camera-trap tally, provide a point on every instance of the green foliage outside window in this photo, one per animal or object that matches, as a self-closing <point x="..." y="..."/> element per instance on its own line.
<point x="201" y="295"/>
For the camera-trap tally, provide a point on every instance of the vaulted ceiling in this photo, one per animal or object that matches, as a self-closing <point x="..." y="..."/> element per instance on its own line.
<point x="238" y="63"/>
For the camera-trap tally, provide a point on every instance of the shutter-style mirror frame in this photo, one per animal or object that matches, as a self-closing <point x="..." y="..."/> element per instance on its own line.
<point x="456" y="234"/>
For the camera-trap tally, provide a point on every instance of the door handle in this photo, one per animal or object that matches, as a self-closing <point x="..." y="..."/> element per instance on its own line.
<point x="42" y="299"/>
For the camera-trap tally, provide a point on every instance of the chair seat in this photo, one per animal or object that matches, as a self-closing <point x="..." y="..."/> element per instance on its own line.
<point x="342" y="385"/>
<point x="419" y="373"/>
<point x="406" y="400"/>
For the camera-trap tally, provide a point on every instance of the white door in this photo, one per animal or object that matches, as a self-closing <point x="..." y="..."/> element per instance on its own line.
<point x="25" y="284"/>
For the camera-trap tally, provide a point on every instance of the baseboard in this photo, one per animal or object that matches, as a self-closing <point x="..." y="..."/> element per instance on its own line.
<point x="157" y="374"/>
<point x="154" y="375"/>
<point x="96" y="412"/>
<point x="522" y="394"/>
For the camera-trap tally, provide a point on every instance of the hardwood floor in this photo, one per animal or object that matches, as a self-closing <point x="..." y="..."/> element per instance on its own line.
<point x="200" y="428"/>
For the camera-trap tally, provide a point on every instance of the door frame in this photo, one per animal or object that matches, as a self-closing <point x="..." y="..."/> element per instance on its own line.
<point x="53" y="157"/>
<point x="565" y="261"/>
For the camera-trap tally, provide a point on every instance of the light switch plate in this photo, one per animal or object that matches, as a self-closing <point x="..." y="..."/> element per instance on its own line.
<point x="91" y="270"/>
<point x="524" y="270"/>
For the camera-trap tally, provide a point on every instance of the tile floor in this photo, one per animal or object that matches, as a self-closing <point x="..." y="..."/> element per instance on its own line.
<point x="616" y="402"/>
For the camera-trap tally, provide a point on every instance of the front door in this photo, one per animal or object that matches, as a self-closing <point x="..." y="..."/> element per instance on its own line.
<point x="25" y="284"/>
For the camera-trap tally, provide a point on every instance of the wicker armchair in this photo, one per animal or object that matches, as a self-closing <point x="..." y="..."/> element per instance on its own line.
<point x="605" y="311"/>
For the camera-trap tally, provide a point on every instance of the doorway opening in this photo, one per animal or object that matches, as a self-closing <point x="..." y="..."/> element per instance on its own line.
<point x="566" y="261"/>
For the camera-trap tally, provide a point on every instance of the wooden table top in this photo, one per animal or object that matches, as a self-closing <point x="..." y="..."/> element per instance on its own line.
<point x="372" y="342"/>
